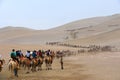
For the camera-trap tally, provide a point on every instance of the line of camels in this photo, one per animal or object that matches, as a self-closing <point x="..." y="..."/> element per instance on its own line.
<point x="32" y="64"/>
<point x="89" y="48"/>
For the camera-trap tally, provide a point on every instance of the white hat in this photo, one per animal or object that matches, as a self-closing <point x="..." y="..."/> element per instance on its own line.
<point x="31" y="52"/>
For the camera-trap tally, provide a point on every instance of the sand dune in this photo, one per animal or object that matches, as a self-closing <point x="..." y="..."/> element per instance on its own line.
<point x="97" y="30"/>
<point x="107" y="38"/>
<point x="86" y="28"/>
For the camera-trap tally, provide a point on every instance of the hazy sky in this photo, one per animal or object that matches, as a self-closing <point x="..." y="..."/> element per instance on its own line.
<point x="45" y="14"/>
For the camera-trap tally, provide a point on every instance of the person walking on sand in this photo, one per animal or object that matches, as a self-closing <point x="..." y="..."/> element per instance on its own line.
<point x="61" y="62"/>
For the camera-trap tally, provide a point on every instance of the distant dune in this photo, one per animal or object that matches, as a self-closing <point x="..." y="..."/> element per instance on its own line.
<point x="97" y="30"/>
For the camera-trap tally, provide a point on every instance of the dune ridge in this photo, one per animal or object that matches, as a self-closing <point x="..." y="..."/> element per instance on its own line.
<point x="97" y="29"/>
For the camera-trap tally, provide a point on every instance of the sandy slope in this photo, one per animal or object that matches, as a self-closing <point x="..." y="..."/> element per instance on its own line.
<point x="87" y="28"/>
<point x="108" y="38"/>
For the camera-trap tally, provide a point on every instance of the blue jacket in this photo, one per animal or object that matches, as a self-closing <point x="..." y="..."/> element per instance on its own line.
<point x="34" y="54"/>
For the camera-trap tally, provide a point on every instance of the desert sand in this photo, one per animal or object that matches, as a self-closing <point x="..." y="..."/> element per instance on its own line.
<point x="84" y="66"/>
<point x="100" y="31"/>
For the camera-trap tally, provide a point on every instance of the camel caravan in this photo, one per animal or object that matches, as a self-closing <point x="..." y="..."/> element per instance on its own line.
<point x="32" y="60"/>
<point x="82" y="49"/>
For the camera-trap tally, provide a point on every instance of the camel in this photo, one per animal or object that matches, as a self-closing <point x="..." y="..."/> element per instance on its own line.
<point x="34" y="64"/>
<point x="13" y="67"/>
<point x="22" y="61"/>
<point x="40" y="62"/>
<point x="31" y="63"/>
<point x="27" y="63"/>
<point x="1" y="64"/>
<point x="48" y="62"/>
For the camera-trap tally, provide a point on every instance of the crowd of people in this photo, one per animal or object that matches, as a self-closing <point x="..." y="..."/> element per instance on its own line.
<point x="15" y="55"/>
<point x="28" y="57"/>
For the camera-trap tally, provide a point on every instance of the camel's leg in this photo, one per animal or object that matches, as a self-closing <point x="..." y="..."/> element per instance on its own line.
<point x="40" y="66"/>
<point x="47" y="66"/>
<point x="28" y="69"/>
<point x="16" y="72"/>
<point x="50" y="66"/>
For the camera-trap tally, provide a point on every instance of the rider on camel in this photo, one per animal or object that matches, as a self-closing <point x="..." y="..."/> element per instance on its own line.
<point x="34" y="55"/>
<point x="14" y="56"/>
<point x="48" y="52"/>
<point x="28" y="55"/>
<point x="40" y="54"/>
